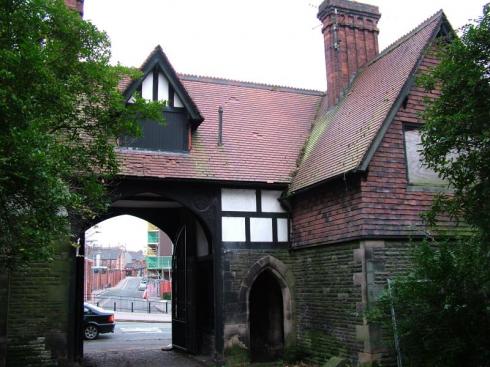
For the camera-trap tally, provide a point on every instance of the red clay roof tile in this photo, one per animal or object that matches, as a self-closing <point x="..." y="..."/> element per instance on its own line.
<point x="264" y="129"/>
<point x="341" y="136"/>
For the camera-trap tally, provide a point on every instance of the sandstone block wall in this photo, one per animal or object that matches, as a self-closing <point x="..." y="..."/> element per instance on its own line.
<point x="39" y="313"/>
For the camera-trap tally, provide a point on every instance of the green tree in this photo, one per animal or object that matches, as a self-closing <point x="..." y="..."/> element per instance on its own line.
<point x="442" y="306"/>
<point x="60" y="116"/>
<point x="456" y="134"/>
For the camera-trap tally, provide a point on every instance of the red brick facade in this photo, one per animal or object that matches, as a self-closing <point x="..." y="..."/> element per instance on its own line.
<point x="378" y="204"/>
<point x="75" y="5"/>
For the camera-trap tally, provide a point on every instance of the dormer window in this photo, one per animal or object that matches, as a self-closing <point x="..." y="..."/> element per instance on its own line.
<point x="161" y="83"/>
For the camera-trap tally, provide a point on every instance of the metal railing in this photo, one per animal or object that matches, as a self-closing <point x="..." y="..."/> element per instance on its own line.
<point x="129" y="304"/>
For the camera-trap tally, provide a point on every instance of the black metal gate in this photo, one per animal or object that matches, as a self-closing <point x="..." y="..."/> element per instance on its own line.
<point x="183" y="294"/>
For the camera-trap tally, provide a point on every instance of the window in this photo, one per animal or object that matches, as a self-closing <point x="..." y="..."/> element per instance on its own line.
<point x="174" y="134"/>
<point x="171" y="137"/>
<point x="418" y="173"/>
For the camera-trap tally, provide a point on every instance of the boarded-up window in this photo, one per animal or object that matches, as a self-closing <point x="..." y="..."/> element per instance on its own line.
<point x="418" y="172"/>
<point x="172" y="136"/>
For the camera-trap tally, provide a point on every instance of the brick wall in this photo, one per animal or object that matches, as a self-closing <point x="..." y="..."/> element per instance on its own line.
<point x="76" y="5"/>
<point x="379" y="204"/>
<point x="39" y="315"/>
<point x="329" y="213"/>
<point x="391" y="207"/>
<point x="378" y="212"/>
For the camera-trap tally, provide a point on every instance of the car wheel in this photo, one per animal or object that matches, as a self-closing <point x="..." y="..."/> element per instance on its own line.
<point x="90" y="332"/>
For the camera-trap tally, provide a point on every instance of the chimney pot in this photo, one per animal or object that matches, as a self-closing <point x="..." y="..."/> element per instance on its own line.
<point x="76" y="5"/>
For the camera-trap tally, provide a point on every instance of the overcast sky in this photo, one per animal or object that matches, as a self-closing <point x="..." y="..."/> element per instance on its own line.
<point x="269" y="41"/>
<point x="123" y="230"/>
<point x="266" y="41"/>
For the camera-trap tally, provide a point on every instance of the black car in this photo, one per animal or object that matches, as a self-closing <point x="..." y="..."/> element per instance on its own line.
<point x="96" y="321"/>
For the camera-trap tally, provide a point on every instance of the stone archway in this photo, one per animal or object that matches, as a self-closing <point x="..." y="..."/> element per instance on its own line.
<point x="172" y="206"/>
<point x="283" y="278"/>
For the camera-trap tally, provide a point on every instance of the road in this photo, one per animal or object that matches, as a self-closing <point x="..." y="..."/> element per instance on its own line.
<point x="138" y="344"/>
<point x="131" y="336"/>
<point x="125" y="296"/>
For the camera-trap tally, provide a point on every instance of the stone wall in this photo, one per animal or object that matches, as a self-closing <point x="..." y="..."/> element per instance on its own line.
<point x="328" y="301"/>
<point x="3" y="316"/>
<point x="39" y="316"/>
<point x="325" y="286"/>
<point x="240" y="269"/>
<point x="334" y="285"/>
<point x="330" y="287"/>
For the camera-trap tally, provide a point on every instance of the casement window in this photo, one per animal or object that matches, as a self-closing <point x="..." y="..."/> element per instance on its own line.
<point x="418" y="173"/>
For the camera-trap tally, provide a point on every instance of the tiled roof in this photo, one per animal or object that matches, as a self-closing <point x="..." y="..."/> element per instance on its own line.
<point x="106" y="253"/>
<point x="342" y="136"/>
<point x="264" y="129"/>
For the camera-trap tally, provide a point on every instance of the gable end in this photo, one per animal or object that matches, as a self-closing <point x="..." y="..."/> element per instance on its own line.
<point x="442" y="30"/>
<point x="158" y="60"/>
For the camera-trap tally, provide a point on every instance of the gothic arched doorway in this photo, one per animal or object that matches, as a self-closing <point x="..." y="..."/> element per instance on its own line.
<point x="266" y="318"/>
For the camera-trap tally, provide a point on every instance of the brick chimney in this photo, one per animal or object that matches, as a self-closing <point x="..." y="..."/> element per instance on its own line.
<point x="351" y="40"/>
<point x="76" y="5"/>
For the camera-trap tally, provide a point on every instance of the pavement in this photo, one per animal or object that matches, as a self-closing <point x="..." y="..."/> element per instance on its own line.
<point x="125" y="296"/>
<point x="142" y="317"/>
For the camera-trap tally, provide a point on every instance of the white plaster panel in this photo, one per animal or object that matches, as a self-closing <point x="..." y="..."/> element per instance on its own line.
<point x="147" y="87"/>
<point x="233" y="229"/>
<point x="282" y="230"/>
<point x="202" y="241"/>
<point x="177" y="101"/>
<point x="261" y="229"/>
<point x="237" y="200"/>
<point x="162" y="88"/>
<point x="270" y="201"/>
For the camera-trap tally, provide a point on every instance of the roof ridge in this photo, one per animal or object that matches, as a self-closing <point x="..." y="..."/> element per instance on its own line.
<point x="406" y="36"/>
<point x="248" y="84"/>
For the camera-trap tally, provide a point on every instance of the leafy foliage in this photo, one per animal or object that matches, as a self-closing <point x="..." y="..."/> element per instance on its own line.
<point x="442" y="307"/>
<point x="61" y="114"/>
<point x="456" y="134"/>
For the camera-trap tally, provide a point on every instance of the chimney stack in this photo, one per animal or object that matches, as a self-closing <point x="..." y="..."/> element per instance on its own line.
<point x="76" y="5"/>
<point x="351" y="40"/>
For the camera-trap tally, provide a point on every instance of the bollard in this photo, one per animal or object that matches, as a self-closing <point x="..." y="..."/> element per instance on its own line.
<point x="114" y="306"/>
<point x="132" y="309"/>
<point x="149" y="307"/>
<point x="166" y="307"/>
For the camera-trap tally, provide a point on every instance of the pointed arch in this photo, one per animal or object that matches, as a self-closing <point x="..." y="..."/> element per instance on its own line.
<point x="285" y="279"/>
